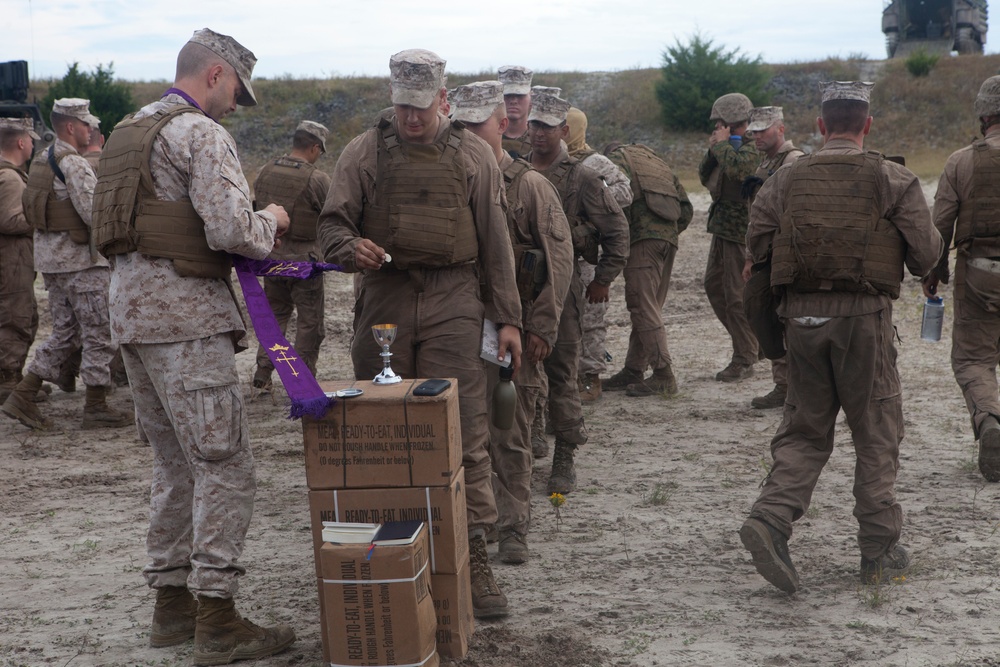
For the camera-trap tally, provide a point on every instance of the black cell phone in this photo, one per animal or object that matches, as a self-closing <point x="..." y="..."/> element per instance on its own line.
<point x="431" y="387"/>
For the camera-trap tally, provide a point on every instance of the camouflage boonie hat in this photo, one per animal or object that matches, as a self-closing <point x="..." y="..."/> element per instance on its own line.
<point x="548" y="109"/>
<point x="416" y="77"/>
<point x="314" y="129"/>
<point x="20" y="125"/>
<point x="234" y="53"/>
<point x="846" y="90"/>
<point x="516" y="79"/>
<point x="76" y="107"/>
<point x="546" y="90"/>
<point x="476" y="102"/>
<point x="731" y="108"/>
<point x="762" y="118"/>
<point x="988" y="99"/>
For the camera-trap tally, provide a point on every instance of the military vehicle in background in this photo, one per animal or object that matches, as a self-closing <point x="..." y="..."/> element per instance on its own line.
<point x="934" y="26"/>
<point x="14" y="98"/>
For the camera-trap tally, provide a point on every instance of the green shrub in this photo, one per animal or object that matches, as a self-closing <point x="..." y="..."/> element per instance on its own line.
<point x="109" y="100"/>
<point x="698" y="73"/>
<point x="920" y="63"/>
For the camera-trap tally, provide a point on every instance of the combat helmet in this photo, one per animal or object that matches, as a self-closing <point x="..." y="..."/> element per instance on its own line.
<point x="732" y="109"/>
<point x="988" y="99"/>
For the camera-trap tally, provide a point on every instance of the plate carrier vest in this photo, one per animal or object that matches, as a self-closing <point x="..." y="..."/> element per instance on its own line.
<point x="284" y="182"/>
<point x="565" y="175"/>
<point x="652" y="181"/>
<point x="41" y="208"/>
<point x="980" y="217"/>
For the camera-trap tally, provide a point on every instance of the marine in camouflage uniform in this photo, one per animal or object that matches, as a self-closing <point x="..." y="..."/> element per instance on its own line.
<point x="966" y="209"/>
<point x="516" y="81"/>
<point x="722" y="171"/>
<point x="58" y="202"/>
<point x="543" y="254"/>
<point x="767" y="126"/>
<point x="414" y="163"/>
<point x="659" y="212"/>
<point x="179" y="324"/>
<point x="595" y="332"/>
<point x="293" y="182"/>
<point x="18" y="309"/>
<point x="839" y="330"/>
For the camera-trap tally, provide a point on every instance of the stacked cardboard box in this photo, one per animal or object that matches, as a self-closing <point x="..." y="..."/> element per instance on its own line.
<point x="390" y="456"/>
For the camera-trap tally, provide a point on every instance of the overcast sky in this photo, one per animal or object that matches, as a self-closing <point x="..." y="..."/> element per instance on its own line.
<point x="322" y="38"/>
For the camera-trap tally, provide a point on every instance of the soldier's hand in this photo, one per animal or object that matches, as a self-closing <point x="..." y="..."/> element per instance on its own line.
<point x="510" y="341"/>
<point x="281" y="214"/>
<point x="536" y="349"/>
<point x="720" y="133"/>
<point x="746" y="269"/>
<point x="597" y="293"/>
<point x="368" y="255"/>
<point x="931" y="284"/>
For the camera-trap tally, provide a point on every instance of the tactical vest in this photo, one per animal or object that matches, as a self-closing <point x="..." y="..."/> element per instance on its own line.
<point x="421" y="213"/>
<point x="979" y="218"/>
<point x="518" y="147"/>
<point x="284" y="182"/>
<point x="529" y="260"/>
<point x="652" y="181"/>
<point x="832" y="236"/>
<point x="127" y="215"/>
<point x="566" y="175"/>
<point x="41" y="208"/>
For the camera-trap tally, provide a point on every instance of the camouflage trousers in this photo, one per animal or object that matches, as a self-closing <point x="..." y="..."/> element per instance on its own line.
<point x="595" y="332"/>
<point x="18" y="309"/>
<point x="724" y="288"/>
<point x="439" y="315"/>
<point x="189" y="408"/>
<point x="975" y="342"/>
<point x="78" y="302"/>
<point x="849" y="363"/>
<point x="305" y="297"/>
<point x="561" y="368"/>
<point x="647" y="280"/>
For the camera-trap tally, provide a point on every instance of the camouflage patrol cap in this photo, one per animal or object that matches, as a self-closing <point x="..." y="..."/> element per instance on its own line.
<point x="20" y="125"/>
<point x="516" y="79"/>
<point x="314" y="129"/>
<point x="76" y="107"/>
<point x="762" y="118"/>
<point x="846" y="90"/>
<point x="988" y="99"/>
<point x="548" y="109"/>
<point x="477" y="101"/>
<point x="416" y="76"/>
<point x="234" y="53"/>
<point x="546" y="90"/>
<point x="731" y="108"/>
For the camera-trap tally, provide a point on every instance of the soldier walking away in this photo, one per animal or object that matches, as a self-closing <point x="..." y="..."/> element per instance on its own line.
<point x="171" y="204"/>
<point x="838" y="329"/>
<point x="18" y="309"/>
<point x="967" y="209"/>
<point x="599" y="229"/>
<point x="543" y="257"/>
<point x="58" y="203"/>
<point x="516" y="82"/>
<point x="659" y="212"/>
<point x="415" y="171"/>
<point x="729" y="160"/>
<point x="294" y="183"/>
<point x="595" y="332"/>
<point x="767" y="129"/>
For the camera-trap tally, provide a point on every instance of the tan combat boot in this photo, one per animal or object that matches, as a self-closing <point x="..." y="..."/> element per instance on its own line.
<point x="562" y="479"/>
<point x="98" y="414"/>
<point x="174" y="617"/>
<point x="20" y="404"/>
<point x="590" y="387"/>
<point x="513" y="548"/>
<point x="622" y="379"/>
<point x="223" y="636"/>
<point x="661" y="383"/>
<point x="488" y="601"/>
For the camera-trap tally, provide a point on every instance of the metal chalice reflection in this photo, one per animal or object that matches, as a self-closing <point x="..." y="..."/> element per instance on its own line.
<point x="385" y="334"/>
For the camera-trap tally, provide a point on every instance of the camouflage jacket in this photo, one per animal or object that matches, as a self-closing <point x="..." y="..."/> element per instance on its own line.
<point x="723" y="163"/>
<point x="644" y="224"/>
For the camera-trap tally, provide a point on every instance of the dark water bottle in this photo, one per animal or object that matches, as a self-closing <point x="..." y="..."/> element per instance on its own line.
<point x="930" y="328"/>
<point x="504" y="400"/>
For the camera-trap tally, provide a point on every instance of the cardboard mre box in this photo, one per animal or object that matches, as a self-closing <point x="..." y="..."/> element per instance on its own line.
<point x="377" y="607"/>
<point x="452" y="595"/>
<point x="386" y="437"/>
<point x="442" y="507"/>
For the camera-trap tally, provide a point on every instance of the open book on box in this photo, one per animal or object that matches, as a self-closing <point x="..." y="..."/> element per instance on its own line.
<point x="389" y="533"/>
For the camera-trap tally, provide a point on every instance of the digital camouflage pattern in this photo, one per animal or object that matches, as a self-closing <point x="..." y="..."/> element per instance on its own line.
<point x="644" y="224"/>
<point x="728" y="219"/>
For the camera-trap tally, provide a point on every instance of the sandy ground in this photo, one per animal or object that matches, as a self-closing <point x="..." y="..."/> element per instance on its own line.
<point x="645" y="567"/>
